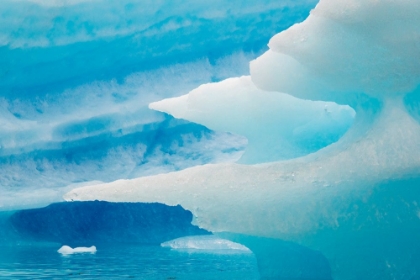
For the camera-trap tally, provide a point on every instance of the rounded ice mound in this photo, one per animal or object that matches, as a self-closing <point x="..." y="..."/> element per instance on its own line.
<point x="67" y="250"/>
<point x="204" y="242"/>
<point x="343" y="49"/>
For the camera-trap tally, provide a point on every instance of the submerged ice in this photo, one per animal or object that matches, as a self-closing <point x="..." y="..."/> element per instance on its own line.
<point x="204" y="242"/>
<point x="355" y="200"/>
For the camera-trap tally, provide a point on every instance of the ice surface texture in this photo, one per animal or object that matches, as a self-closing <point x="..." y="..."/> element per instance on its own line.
<point x="86" y="223"/>
<point x="77" y="78"/>
<point x="357" y="201"/>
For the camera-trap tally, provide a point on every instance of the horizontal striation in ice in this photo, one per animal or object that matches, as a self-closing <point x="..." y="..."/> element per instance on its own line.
<point x="77" y="77"/>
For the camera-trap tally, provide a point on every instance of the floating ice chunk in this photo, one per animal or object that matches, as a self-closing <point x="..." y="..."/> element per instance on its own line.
<point x="67" y="250"/>
<point x="204" y="242"/>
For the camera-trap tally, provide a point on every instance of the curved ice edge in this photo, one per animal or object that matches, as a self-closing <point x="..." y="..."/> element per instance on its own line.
<point x="204" y="243"/>
<point x="67" y="250"/>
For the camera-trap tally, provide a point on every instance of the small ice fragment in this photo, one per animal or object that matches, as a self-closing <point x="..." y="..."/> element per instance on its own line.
<point x="67" y="250"/>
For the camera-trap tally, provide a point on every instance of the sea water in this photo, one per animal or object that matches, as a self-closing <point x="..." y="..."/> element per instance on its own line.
<point x="124" y="261"/>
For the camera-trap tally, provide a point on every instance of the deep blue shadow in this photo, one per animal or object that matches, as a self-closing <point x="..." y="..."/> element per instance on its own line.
<point x="87" y="223"/>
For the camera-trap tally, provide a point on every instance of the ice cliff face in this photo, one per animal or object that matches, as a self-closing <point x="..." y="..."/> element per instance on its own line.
<point x="357" y="199"/>
<point x="76" y="78"/>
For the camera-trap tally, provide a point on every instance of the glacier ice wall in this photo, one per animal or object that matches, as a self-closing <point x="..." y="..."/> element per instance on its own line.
<point x="357" y="199"/>
<point x="77" y="78"/>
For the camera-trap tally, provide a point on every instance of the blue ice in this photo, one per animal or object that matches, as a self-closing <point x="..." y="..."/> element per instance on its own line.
<point x="313" y="141"/>
<point x="353" y="200"/>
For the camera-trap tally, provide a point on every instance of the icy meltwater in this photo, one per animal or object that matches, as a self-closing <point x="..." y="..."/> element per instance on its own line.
<point x="127" y="261"/>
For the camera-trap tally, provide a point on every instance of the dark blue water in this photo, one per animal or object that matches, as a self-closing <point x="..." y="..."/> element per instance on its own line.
<point x="124" y="262"/>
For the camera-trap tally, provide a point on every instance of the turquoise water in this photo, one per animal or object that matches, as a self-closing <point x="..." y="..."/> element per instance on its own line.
<point x="124" y="262"/>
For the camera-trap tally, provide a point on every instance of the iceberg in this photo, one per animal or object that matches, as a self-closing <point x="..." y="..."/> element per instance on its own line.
<point x="77" y="77"/>
<point x="356" y="200"/>
<point x="67" y="250"/>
